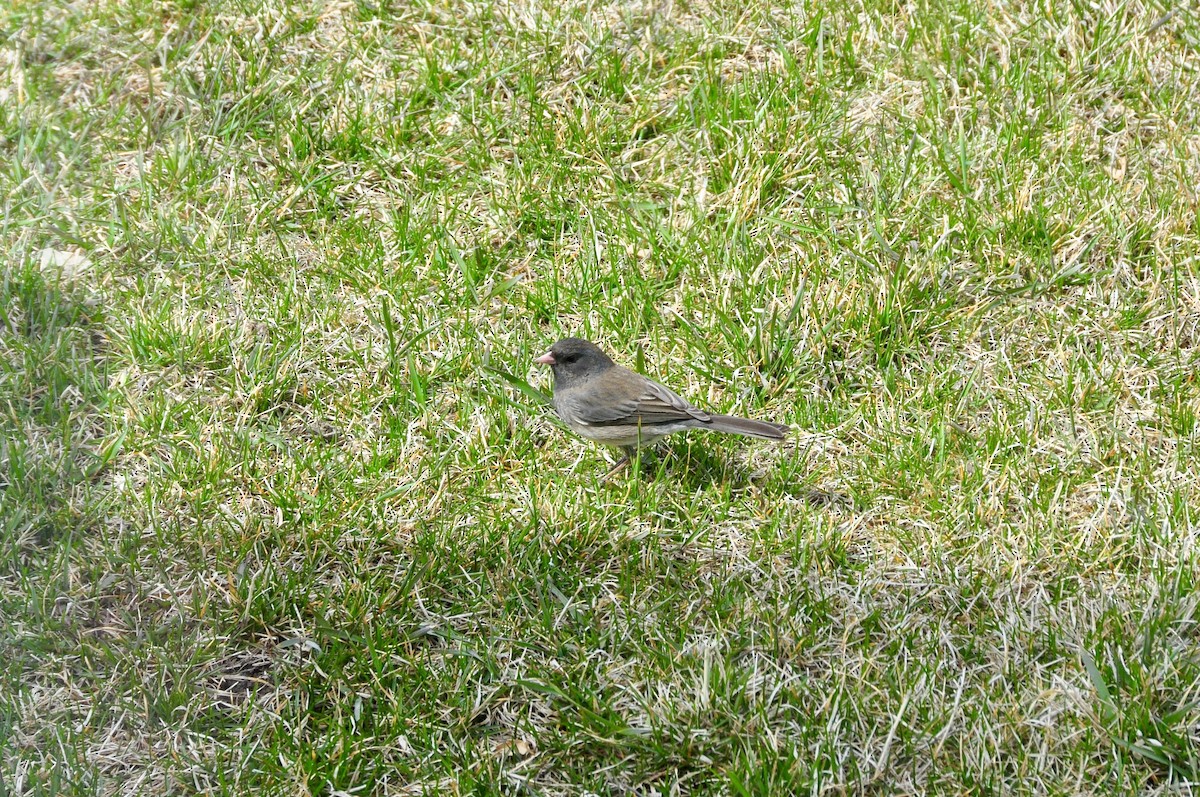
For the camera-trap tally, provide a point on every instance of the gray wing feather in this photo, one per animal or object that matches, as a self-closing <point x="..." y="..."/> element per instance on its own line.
<point x="661" y="401"/>
<point x="611" y="403"/>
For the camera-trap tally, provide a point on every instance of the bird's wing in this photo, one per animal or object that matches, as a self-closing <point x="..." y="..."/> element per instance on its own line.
<point x="630" y="400"/>
<point x="659" y="404"/>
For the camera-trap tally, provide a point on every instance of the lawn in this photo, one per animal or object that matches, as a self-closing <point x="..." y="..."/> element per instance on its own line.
<point x="282" y="510"/>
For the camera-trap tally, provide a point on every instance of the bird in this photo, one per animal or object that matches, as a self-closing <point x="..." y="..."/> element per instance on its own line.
<point x="610" y="404"/>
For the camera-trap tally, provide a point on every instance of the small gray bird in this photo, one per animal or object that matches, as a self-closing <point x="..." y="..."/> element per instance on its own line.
<point x="605" y="402"/>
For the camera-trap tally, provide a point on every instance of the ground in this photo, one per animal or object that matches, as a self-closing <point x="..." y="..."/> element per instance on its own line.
<point x="283" y="510"/>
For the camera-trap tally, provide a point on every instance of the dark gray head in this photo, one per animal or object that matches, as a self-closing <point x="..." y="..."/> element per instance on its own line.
<point x="574" y="359"/>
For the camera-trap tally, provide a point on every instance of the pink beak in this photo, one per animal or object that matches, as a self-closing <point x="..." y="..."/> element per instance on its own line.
<point x="545" y="359"/>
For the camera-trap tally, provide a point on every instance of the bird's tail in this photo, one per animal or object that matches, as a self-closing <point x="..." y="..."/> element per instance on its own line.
<point x="735" y="425"/>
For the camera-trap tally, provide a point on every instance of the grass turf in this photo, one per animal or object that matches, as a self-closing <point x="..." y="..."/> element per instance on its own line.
<point x="281" y="512"/>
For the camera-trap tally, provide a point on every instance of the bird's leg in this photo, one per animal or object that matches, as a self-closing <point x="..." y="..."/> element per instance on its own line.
<point x="631" y="455"/>
<point x="622" y="463"/>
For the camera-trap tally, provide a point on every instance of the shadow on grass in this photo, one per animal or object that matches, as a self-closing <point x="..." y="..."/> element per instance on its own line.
<point x="702" y="465"/>
<point x="52" y="384"/>
<point x="698" y="464"/>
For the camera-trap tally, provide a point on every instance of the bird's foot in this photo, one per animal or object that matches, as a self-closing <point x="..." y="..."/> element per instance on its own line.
<point x="632" y="457"/>
<point x="621" y="465"/>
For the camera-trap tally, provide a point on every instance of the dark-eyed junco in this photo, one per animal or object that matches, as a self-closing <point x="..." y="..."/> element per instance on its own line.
<point x="605" y="402"/>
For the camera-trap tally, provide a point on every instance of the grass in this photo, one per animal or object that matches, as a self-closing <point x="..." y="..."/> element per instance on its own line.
<point x="282" y="512"/>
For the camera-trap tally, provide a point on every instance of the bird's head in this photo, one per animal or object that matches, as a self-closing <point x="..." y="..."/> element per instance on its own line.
<point x="574" y="359"/>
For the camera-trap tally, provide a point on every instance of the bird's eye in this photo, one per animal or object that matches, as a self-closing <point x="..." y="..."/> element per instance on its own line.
<point x="570" y="358"/>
